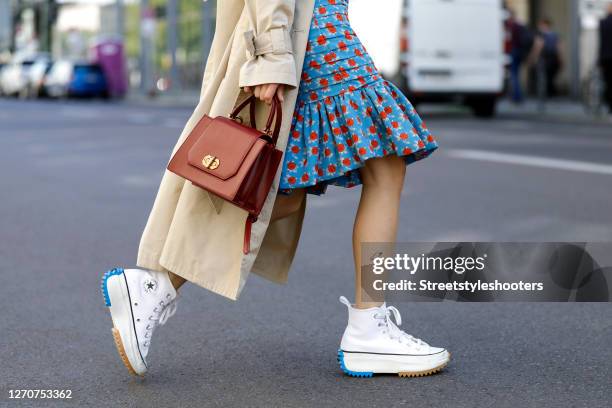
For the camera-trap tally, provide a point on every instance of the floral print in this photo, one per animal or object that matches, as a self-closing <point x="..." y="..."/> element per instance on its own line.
<point x="346" y="113"/>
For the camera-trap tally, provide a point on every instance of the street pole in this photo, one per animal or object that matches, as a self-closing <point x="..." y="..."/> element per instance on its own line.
<point x="575" y="25"/>
<point x="172" y="24"/>
<point x="147" y="34"/>
<point x="208" y="22"/>
<point x="44" y="37"/>
<point x="120" y="14"/>
<point x="6" y="25"/>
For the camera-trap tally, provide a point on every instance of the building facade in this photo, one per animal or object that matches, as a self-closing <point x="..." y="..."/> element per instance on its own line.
<point x="6" y="25"/>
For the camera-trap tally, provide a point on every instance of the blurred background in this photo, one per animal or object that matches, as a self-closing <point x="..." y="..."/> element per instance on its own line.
<point x="471" y="52"/>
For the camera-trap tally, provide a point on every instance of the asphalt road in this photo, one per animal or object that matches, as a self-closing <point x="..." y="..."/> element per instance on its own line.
<point x="77" y="183"/>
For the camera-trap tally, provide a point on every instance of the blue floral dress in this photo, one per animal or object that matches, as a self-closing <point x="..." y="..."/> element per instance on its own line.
<point x="346" y="113"/>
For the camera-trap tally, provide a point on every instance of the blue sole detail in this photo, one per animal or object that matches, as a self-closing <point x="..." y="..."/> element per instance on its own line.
<point x="104" y="286"/>
<point x="362" y="374"/>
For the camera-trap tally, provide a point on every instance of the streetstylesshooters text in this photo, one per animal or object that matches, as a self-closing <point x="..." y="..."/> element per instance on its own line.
<point x="458" y="265"/>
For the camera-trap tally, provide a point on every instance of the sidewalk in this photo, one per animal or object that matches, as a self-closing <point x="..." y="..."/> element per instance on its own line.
<point x="557" y="110"/>
<point x="184" y="99"/>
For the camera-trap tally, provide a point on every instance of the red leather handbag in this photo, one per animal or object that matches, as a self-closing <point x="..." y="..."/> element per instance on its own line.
<point x="233" y="161"/>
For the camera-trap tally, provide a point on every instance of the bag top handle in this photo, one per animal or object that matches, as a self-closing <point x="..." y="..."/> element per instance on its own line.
<point x="276" y="115"/>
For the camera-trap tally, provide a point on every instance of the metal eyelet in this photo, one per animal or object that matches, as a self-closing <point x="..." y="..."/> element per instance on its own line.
<point x="237" y="119"/>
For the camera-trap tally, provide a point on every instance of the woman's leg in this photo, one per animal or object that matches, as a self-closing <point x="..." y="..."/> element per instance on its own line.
<point x="177" y="281"/>
<point x="378" y="211"/>
<point x="286" y="205"/>
<point x="372" y="342"/>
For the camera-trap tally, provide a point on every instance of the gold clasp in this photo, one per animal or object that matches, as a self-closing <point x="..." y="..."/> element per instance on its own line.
<point x="210" y="162"/>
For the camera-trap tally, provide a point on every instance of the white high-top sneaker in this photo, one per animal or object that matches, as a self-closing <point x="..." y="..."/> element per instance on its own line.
<point x="139" y="300"/>
<point x="372" y="343"/>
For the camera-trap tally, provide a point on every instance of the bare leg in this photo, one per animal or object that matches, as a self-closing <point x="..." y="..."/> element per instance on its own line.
<point x="286" y="205"/>
<point x="377" y="215"/>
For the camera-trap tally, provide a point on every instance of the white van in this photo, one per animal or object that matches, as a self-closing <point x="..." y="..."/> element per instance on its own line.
<point x="453" y="50"/>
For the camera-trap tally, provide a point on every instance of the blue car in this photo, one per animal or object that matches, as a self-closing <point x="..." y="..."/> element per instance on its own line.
<point x="72" y="79"/>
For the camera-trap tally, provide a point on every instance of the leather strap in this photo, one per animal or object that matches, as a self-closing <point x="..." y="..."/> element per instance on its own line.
<point x="246" y="248"/>
<point x="252" y="114"/>
<point x="276" y="115"/>
<point x="248" y="101"/>
<point x="277" y="109"/>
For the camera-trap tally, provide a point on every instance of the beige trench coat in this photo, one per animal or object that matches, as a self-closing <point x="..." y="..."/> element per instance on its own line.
<point x="193" y="233"/>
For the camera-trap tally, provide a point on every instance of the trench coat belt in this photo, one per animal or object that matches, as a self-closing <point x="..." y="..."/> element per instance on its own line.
<point x="275" y="41"/>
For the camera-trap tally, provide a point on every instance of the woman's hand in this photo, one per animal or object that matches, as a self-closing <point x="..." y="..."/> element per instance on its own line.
<point x="266" y="92"/>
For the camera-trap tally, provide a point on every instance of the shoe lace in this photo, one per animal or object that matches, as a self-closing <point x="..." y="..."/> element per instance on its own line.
<point x="161" y="313"/>
<point x="392" y="329"/>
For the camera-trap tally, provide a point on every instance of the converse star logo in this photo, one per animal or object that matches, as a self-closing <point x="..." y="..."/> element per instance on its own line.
<point x="150" y="285"/>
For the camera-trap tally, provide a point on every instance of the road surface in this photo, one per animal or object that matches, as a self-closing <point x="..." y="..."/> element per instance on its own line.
<point x="78" y="180"/>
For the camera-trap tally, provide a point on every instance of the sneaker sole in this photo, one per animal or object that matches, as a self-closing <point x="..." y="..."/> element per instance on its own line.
<point x="121" y="351"/>
<point x="375" y="359"/>
<point x="121" y="318"/>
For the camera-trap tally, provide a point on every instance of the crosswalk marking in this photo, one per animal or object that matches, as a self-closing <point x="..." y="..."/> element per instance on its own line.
<point x="533" y="161"/>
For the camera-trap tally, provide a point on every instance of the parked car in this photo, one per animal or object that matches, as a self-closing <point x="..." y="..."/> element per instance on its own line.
<point x="36" y="78"/>
<point x="15" y="76"/>
<point x="453" y="51"/>
<point x="12" y="77"/>
<point x="75" y="79"/>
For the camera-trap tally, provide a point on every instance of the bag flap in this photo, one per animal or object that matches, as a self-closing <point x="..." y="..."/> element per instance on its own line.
<point x="222" y="147"/>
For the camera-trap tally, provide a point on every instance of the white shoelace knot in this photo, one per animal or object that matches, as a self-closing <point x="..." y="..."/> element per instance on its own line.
<point x="392" y="329"/>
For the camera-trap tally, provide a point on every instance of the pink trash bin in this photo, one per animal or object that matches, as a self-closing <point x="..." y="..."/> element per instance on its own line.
<point x="109" y="54"/>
